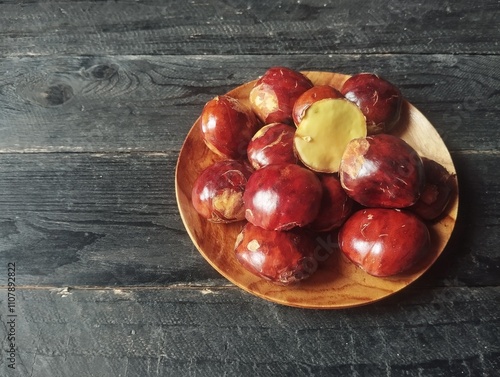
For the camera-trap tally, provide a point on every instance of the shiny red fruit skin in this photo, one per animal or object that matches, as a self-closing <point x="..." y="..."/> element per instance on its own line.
<point x="336" y="205"/>
<point x="310" y="96"/>
<point x="384" y="242"/>
<point x="273" y="144"/>
<point x="281" y="257"/>
<point x="227" y="126"/>
<point x="436" y="194"/>
<point x="382" y="171"/>
<point x="379" y="100"/>
<point x="275" y="93"/>
<point x="283" y="196"/>
<point x="217" y="193"/>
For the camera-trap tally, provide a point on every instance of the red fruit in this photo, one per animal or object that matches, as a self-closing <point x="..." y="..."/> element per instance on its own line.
<point x="384" y="242"/>
<point x="217" y="193"/>
<point x="436" y="194"/>
<point x="227" y="126"/>
<point x="379" y="100"/>
<point x="336" y="205"/>
<point x="280" y="257"/>
<point x="280" y="197"/>
<point x="272" y="144"/>
<point x="310" y="96"/>
<point x="275" y="93"/>
<point x="382" y="171"/>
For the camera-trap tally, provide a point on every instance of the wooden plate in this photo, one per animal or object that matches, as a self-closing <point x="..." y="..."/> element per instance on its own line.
<point x="337" y="283"/>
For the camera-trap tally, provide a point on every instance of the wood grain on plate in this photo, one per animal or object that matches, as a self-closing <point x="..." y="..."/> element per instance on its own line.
<point x="337" y="283"/>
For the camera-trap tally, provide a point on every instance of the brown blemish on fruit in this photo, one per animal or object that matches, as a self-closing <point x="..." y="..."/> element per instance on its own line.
<point x="229" y="204"/>
<point x="354" y="157"/>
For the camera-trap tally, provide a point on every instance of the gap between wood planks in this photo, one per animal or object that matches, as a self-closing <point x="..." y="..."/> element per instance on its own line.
<point x="68" y="289"/>
<point x="118" y="152"/>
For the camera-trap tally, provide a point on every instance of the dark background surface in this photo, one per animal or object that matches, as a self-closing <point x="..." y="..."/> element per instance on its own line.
<point x="96" y="99"/>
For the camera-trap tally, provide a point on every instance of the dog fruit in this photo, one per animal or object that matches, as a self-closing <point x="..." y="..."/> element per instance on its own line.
<point x="336" y="205"/>
<point x="280" y="257"/>
<point x="310" y="96"/>
<point x="382" y="171"/>
<point x="379" y="100"/>
<point x="280" y="197"/>
<point x="274" y="94"/>
<point x="217" y="193"/>
<point x="272" y="144"/>
<point x="324" y="132"/>
<point x="384" y="242"/>
<point x="227" y="126"/>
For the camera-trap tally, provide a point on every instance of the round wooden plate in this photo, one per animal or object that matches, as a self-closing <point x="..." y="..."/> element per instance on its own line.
<point x="338" y="283"/>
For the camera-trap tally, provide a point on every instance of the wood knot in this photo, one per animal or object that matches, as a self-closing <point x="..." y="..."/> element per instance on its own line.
<point x="44" y="90"/>
<point x="56" y="95"/>
<point x="100" y="72"/>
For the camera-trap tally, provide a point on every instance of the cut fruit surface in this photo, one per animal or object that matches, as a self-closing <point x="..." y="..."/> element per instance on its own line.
<point x="324" y="132"/>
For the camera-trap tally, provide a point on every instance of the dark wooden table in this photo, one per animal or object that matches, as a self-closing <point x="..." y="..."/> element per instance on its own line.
<point x="96" y="99"/>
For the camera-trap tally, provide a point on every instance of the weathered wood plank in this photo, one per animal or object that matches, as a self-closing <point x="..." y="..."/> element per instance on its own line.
<point x="120" y="83"/>
<point x="95" y="219"/>
<point x="101" y="104"/>
<point x="243" y="27"/>
<point x="180" y="332"/>
<point x="477" y="225"/>
<point x="111" y="220"/>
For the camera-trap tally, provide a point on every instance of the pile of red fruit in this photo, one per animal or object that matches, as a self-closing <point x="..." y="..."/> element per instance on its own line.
<point x="305" y="160"/>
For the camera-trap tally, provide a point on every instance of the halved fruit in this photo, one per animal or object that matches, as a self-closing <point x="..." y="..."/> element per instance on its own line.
<point x="324" y="132"/>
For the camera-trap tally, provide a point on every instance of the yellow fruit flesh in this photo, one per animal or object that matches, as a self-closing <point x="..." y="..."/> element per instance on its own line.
<point x="324" y="132"/>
